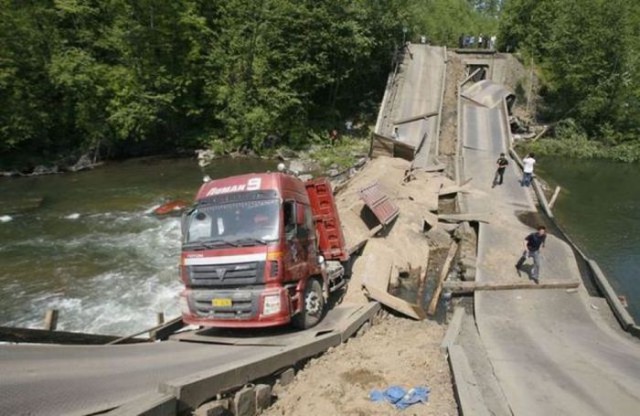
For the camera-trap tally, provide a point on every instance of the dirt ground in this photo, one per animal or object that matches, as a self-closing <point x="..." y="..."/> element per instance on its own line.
<point x="395" y="351"/>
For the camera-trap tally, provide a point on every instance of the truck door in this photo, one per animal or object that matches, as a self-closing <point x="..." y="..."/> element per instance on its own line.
<point x="299" y="237"/>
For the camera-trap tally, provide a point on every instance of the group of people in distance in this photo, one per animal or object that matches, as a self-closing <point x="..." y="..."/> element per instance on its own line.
<point x="479" y="42"/>
<point x="534" y="241"/>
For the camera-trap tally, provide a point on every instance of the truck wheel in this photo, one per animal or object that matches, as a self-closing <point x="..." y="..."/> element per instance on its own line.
<point x="312" y="308"/>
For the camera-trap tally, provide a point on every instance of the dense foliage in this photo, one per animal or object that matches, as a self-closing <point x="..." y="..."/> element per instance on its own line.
<point x="148" y="75"/>
<point x="588" y="53"/>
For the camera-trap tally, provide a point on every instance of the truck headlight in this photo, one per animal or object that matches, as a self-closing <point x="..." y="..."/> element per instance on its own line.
<point x="184" y="306"/>
<point x="271" y="304"/>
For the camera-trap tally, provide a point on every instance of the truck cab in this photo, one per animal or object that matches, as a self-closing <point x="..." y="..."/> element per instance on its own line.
<point x="251" y="254"/>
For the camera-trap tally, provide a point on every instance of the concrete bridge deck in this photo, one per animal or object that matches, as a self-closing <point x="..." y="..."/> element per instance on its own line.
<point x="551" y="352"/>
<point x="80" y="380"/>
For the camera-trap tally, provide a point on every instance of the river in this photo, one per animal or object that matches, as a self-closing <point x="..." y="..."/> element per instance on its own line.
<point x="92" y="251"/>
<point x="600" y="209"/>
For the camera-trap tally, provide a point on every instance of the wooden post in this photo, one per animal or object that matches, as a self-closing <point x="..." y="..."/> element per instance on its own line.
<point x="443" y="275"/>
<point x="554" y="197"/>
<point x="51" y="320"/>
<point x="160" y="318"/>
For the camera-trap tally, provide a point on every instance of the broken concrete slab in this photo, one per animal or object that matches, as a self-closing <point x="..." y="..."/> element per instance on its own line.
<point x="399" y="305"/>
<point x="438" y="237"/>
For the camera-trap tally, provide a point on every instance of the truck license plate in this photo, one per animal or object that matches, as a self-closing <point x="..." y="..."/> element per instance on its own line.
<point x="223" y="302"/>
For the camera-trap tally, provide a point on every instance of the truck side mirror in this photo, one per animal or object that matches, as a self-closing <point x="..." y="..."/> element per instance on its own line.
<point x="300" y="220"/>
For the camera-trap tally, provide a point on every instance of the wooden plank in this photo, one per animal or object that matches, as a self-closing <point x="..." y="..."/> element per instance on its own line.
<point x="51" y="320"/>
<point x="416" y="118"/>
<point x="433" y="304"/>
<point x="467" y="388"/>
<point x="554" y="197"/>
<point x="470" y="287"/>
<point x="409" y="309"/>
<point x="43" y="336"/>
<point x="478" y="217"/>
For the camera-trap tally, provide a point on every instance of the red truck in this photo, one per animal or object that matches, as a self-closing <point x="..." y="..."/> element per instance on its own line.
<point x="261" y="250"/>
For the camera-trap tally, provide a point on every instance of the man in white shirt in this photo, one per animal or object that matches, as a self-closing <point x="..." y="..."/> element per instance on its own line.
<point x="528" y="163"/>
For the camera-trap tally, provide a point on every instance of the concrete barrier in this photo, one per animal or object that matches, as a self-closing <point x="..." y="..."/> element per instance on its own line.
<point x="454" y="329"/>
<point x="621" y="313"/>
<point x="468" y="394"/>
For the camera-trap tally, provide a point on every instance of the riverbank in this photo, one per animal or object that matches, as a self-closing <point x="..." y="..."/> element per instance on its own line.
<point x="582" y="149"/>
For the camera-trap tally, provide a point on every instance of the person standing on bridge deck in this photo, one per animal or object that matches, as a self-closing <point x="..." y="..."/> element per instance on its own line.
<point x="532" y="245"/>
<point x="502" y="163"/>
<point x="527" y="169"/>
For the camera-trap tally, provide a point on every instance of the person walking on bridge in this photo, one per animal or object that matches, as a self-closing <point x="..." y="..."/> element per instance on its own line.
<point x="502" y="163"/>
<point x="532" y="245"/>
<point x="527" y="168"/>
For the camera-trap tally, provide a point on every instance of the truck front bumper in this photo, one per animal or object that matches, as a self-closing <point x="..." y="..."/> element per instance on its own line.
<point x="236" y="308"/>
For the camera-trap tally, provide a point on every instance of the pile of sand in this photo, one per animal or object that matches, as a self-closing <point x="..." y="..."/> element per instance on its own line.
<point x="395" y="351"/>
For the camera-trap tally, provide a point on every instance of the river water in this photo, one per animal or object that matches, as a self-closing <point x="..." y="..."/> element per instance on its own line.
<point x="92" y="251"/>
<point x="600" y="209"/>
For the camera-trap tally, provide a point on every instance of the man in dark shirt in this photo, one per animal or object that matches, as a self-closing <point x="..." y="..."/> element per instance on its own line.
<point x="502" y="163"/>
<point x="532" y="244"/>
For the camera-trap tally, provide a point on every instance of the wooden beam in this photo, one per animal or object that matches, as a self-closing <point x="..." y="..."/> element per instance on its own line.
<point x="51" y="320"/>
<point x="43" y="336"/>
<point x="554" y="197"/>
<point x="416" y="118"/>
<point x="433" y="304"/>
<point x="470" y="287"/>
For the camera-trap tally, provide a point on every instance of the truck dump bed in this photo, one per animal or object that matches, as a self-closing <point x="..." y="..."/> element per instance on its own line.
<point x="326" y="219"/>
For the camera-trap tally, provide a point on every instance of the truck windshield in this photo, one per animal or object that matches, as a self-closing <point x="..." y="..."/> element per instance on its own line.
<point x="245" y="222"/>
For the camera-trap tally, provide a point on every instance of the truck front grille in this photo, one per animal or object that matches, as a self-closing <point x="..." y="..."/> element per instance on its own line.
<point x="244" y="305"/>
<point x="226" y="275"/>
